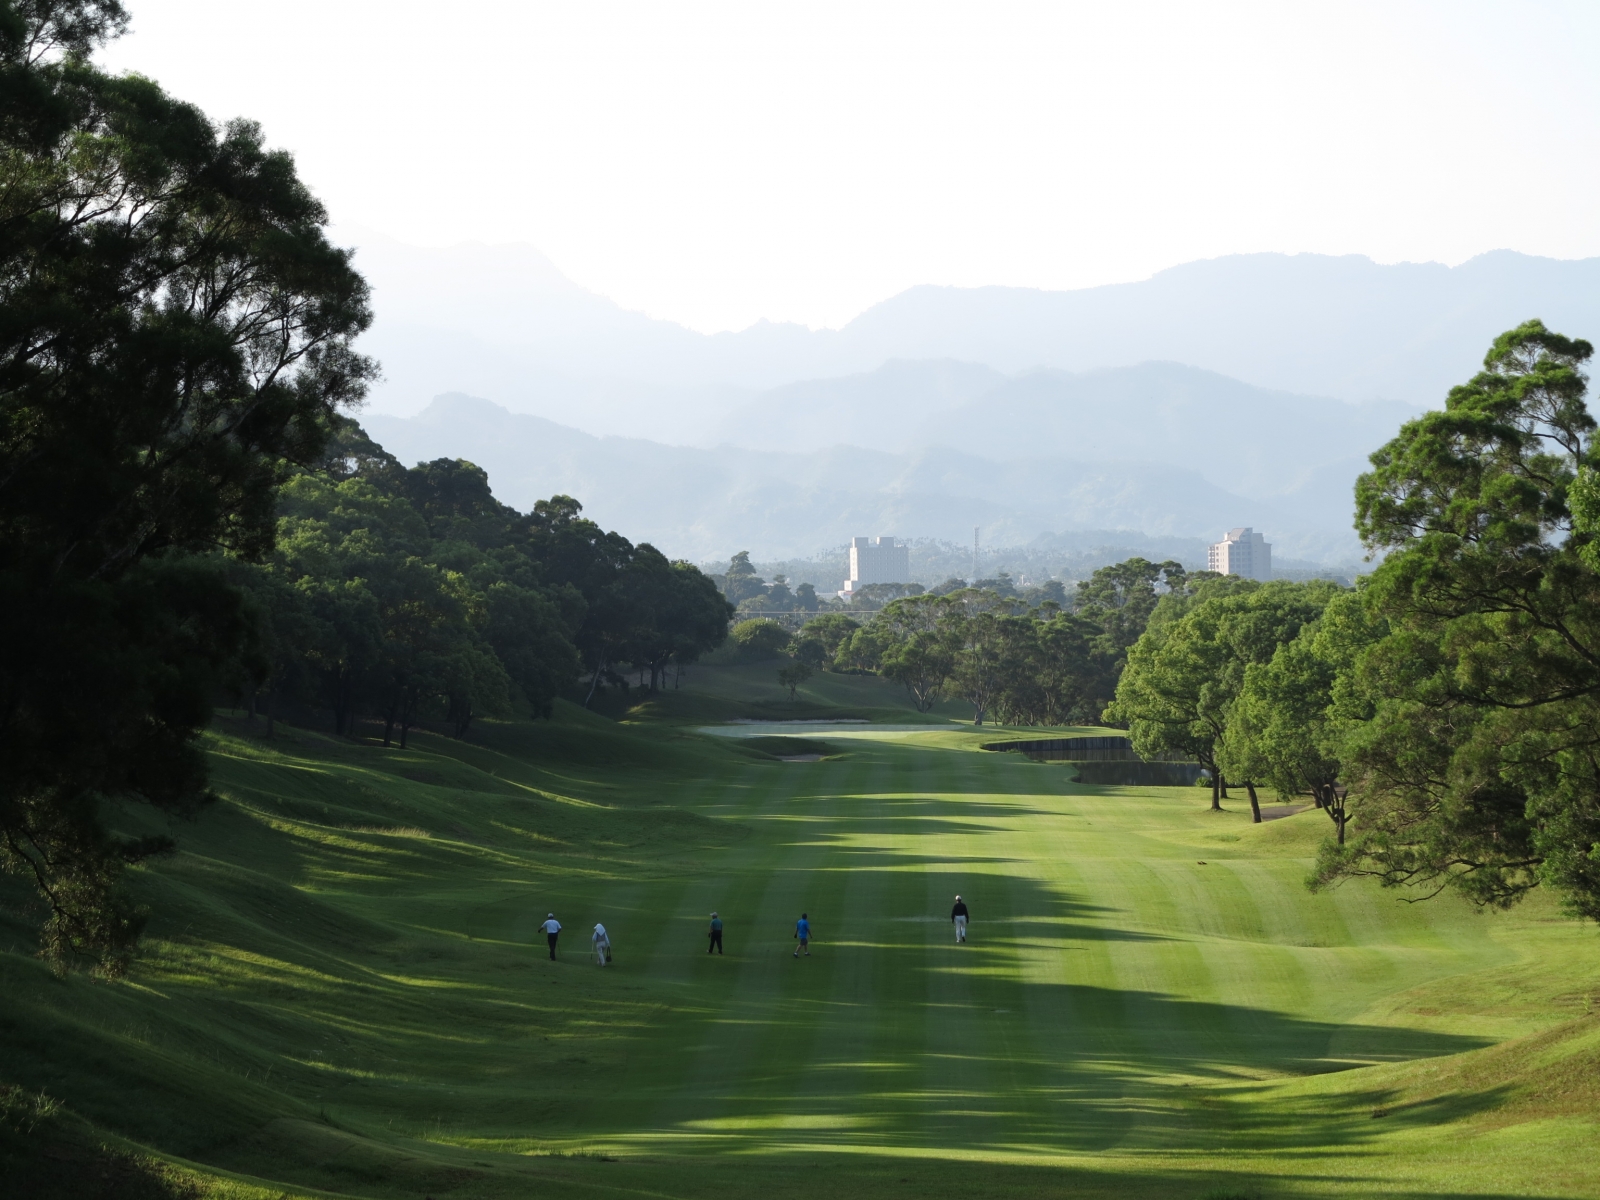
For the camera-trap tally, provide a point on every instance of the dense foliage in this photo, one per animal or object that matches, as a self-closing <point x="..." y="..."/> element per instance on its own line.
<point x="415" y="595"/>
<point x="184" y="511"/>
<point x="1446" y="714"/>
<point x="1473" y="716"/>
<point x="1182" y="692"/>
<point x="1021" y="658"/>
<point x="174" y="330"/>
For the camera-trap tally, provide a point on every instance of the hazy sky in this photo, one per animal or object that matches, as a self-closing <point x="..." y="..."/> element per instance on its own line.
<point x="720" y="163"/>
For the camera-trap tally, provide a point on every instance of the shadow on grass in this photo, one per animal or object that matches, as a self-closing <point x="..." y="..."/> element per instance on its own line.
<point x="312" y="1004"/>
<point x="309" y="1155"/>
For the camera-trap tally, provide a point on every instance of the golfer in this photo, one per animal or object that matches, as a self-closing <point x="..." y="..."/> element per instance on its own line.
<point x="552" y="929"/>
<point x="958" y="918"/>
<point x="602" y="944"/>
<point x="716" y="934"/>
<point x="802" y="932"/>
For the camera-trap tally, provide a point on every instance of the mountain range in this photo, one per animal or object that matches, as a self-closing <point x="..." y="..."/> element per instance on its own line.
<point x="1072" y="461"/>
<point x="1241" y="390"/>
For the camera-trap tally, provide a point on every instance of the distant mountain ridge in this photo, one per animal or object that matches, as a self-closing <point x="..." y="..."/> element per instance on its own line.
<point x="1245" y="390"/>
<point x="1249" y="440"/>
<point x="705" y="503"/>
<point x="502" y="321"/>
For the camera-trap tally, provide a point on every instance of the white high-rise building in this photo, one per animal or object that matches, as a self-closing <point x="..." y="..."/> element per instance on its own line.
<point x="877" y="560"/>
<point x="1242" y="552"/>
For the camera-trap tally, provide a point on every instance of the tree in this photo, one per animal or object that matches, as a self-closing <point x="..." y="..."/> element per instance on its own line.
<point x="1046" y="670"/>
<point x="742" y="581"/>
<point x="572" y="551"/>
<point x="1184" y="675"/>
<point x="1051" y="591"/>
<point x="793" y="676"/>
<point x="1287" y="727"/>
<point x="686" y="616"/>
<point x="761" y="638"/>
<point x="1119" y="601"/>
<point x="531" y="635"/>
<point x="777" y="596"/>
<point x="1480" y="767"/>
<point x="1002" y="585"/>
<point x="453" y="498"/>
<point x="875" y="595"/>
<point x="912" y="646"/>
<point x="828" y="631"/>
<point x="175" y="334"/>
<point x="979" y="641"/>
<point x="862" y="651"/>
<point x="1067" y="674"/>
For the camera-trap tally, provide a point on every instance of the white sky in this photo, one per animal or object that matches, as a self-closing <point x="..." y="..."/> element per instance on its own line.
<point x="719" y="163"/>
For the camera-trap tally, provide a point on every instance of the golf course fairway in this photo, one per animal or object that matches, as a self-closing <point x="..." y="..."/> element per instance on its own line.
<point x="345" y="992"/>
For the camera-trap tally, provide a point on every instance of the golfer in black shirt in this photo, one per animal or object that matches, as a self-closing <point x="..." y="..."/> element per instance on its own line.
<point x="958" y="918"/>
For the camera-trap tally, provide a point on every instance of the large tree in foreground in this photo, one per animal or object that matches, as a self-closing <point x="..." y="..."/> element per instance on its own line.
<point x="1480" y="767"/>
<point x="174" y="329"/>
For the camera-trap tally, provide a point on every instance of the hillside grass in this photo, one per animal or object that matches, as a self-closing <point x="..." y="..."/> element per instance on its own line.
<point x="344" y="992"/>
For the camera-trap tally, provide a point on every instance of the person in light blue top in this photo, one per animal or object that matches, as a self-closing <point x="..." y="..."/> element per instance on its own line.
<point x="802" y="933"/>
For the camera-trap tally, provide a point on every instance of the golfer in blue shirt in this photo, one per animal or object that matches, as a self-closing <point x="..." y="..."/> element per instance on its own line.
<point x="802" y="931"/>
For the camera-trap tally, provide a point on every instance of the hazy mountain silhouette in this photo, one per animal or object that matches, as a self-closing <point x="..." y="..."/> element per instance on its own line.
<point x="1245" y="439"/>
<point x="503" y="321"/>
<point x="705" y="503"/>
<point x="885" y="409"/>
<point x="1214" y="394"/>
<point x="1249" y="440"/>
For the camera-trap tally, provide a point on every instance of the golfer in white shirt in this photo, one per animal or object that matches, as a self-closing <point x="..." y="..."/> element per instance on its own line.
<point x="552" y="929"/>
<point x="602" y="944"/>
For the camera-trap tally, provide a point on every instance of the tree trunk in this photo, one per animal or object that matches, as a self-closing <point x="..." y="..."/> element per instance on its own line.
<point x="272" y="711"/>
<point x="1216" y="790"/>
<point x="1222" y="784"/>
<point x="408" y="707"/>
<point x="1255" y="804"/>
<point x="593" y="683"/>
<point x="1336" y="810"/>
<point x="338" y="707"/>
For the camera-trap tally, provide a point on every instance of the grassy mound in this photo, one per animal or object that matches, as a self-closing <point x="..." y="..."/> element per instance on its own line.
<point x="787" y="747"/>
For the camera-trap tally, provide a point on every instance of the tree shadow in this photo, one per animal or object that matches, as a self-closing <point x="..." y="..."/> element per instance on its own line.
<point x="1122" y="1069"/>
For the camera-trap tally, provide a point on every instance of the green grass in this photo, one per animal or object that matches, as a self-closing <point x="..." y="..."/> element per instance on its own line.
<point x="345" y="992"/>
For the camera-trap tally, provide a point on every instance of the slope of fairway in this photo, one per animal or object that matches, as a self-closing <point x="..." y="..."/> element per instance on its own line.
<point x="345" y="991"/>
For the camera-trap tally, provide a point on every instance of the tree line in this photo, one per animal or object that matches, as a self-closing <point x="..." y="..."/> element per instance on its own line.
<point x="413" y="594"/>
<point x="1018" y="658"/>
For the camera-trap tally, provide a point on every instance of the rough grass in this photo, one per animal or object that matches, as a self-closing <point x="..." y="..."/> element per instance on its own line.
<point x="345" y="992"/>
